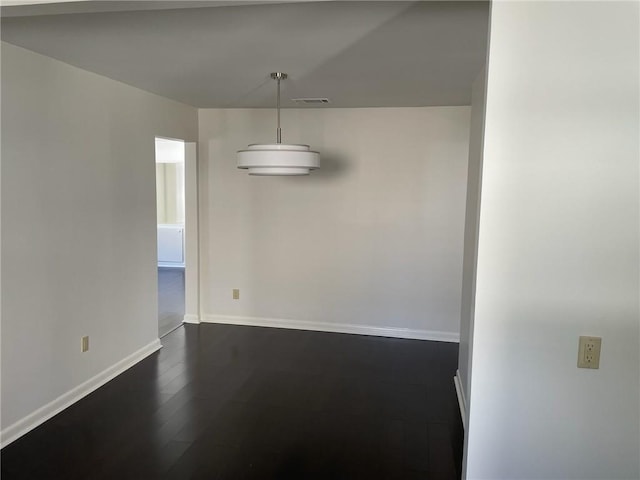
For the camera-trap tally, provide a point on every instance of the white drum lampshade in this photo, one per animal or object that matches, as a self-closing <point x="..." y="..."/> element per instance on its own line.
<point x="278" y="158"/>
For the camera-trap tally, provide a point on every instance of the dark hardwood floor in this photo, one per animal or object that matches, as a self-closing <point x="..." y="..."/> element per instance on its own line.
<point x="170" y="299"/>
<point x="234" y="402"/>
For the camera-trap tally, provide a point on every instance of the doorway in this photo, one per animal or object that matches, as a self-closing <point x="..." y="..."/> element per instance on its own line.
<point x="170" y="198"/>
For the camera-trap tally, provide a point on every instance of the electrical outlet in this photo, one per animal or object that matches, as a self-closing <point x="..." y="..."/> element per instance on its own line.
<point x="589" y="352"/>
<point x="236" y="294"/>
<point x="84" y="344"/>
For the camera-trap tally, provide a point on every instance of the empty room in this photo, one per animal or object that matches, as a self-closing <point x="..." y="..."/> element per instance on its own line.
<point x="320" y="239"/>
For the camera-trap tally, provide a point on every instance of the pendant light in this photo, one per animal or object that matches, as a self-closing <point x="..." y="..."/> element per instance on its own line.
<point x="279" y="158"/>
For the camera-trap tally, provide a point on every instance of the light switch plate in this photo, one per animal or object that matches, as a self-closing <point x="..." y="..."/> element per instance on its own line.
<point x="236" y="294"/>
<point x="84" y="344"/>
<point x="589" y="352"/>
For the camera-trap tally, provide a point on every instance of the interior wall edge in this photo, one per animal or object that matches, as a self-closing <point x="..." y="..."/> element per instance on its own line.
<point x="190" y="318"/>
<point x="462" y="399"/>
<point x="44" y="413"/>
<point x="392" y="332"/>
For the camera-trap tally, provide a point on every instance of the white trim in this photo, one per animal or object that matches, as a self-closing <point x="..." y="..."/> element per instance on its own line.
<point x="191" y="319"/>
<point x="334" y="327"/>
<point x="462" y="401"/>
<point x="170" y="265"/>
<point x="41" y="415"/>
<point x="191" y="239"/>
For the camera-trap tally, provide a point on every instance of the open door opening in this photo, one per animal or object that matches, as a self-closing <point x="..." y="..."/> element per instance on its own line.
<point x="170" y="196"/>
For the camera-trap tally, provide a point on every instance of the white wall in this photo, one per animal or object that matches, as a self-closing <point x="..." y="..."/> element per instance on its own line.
<point x="170" y="186"/>
<point x="374" y="238"/>
<point x="78" y="224"/>
<point x="474" y="176"/>
<point x="170" y="192"/>
<point x="191" y="234"/>
<point x="169" y="150"/>
<point x="161" y="195"/>
<point x="558" y="245"/>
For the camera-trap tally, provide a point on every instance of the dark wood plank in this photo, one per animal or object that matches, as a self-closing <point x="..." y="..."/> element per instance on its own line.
<point x="170" y="299"/>
<point x="222" y="401"/>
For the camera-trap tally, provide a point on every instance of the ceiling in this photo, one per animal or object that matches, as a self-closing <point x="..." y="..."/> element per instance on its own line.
<point x="219" y="54"/>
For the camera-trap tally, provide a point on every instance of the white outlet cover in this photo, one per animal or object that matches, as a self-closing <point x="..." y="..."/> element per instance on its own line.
<point x="589" y="352"/>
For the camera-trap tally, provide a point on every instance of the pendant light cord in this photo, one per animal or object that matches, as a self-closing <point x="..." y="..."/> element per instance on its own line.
<point x="278" y="76"/>
<point x="279" y="133"/>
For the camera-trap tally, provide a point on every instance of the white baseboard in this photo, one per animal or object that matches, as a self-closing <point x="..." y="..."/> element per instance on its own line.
<point x="190" y="318"/>
<point x="393" y="332"/>
<point x="41" y="415"/>
<point x="462" y="400"/>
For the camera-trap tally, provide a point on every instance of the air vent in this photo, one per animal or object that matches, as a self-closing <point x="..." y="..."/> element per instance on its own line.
<point x="311" y="101"/>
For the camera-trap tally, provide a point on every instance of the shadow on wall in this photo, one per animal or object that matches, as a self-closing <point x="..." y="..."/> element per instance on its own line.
<point x="331" y="166"/>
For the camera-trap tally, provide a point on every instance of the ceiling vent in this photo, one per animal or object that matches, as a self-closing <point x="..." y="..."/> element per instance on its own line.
<point x="311" y="101"/>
